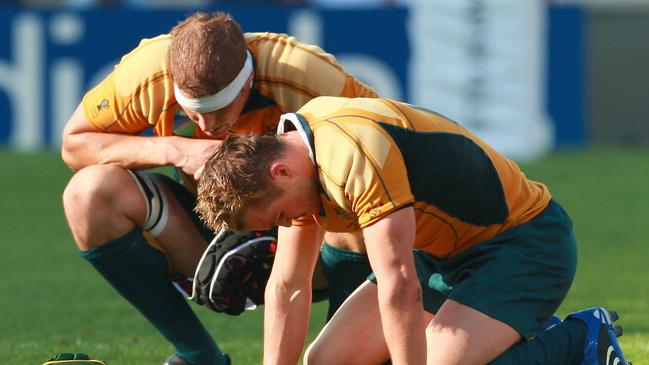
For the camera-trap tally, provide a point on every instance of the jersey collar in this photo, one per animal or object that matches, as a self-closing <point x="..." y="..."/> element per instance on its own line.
<point x="299" y="123"/>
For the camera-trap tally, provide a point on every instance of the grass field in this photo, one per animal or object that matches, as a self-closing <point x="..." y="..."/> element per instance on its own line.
<point x="52" y="301"/>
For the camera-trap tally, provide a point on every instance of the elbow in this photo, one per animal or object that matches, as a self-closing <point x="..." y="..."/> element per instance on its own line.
<point x="283" y="292"/>
<point x="406" y="293"/>
<point x="68" y="157"/>
<point x="271" y="293"/>
<point x="68" y="154"/>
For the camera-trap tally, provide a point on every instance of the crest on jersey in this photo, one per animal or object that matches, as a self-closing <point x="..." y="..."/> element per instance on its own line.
<point x="103" y="105"/>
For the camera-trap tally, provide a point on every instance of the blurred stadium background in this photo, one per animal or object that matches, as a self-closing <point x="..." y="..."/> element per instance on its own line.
<point x="560" y="86"/>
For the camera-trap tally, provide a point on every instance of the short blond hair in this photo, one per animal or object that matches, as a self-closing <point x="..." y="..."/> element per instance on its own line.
<point x="237" y="177"/>
<point x="207" y="52"/>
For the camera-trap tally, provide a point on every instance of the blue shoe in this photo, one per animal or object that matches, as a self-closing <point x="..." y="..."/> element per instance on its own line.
<point x="601" y="346"/>
<point x="551" y="322"/>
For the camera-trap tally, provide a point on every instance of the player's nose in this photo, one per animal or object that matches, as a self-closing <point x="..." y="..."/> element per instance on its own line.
<point x="212" y="126"/>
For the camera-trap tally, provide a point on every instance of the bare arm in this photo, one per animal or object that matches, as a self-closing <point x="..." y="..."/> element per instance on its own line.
<point x="83" y="146"/>
<point x="288" y="294"/>
<point x="389" y="247"/>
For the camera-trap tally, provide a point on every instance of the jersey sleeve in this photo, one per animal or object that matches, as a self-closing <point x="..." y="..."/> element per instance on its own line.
<point x="292" y="73"/>
<point x="136" y="94"/>
<point x="364" y="176"/>
<point x="376" y="191"/>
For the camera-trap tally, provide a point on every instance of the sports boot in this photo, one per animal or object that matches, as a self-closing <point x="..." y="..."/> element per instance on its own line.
<point x="601" y="347"/>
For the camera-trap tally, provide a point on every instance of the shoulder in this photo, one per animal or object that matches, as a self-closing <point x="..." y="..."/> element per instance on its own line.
<point x="149" y="57"/>
<point x="339" y="124"/>
<point x="277" y="48"/>
<point x="344" y="109"/>
<point x="150" y="49"/>
<point x="281" y="40"/>
<point x="352" y="127"/>
<point x="145" y="64"/>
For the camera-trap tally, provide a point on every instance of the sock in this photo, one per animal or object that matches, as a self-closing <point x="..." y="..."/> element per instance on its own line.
<point x="140" y="273"/>
<point x="562" y="344"/>
<point x="345" y="271"/>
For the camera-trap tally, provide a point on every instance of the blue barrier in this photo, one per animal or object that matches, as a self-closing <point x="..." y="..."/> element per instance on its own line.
<point x="49" y="58"/>
<point x="566" y="74"/>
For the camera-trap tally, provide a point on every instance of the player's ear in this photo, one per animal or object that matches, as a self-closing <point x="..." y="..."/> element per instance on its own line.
<point x="279" y="171"/>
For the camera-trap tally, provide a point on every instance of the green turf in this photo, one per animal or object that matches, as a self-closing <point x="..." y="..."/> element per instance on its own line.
<point x="52" y="301"/>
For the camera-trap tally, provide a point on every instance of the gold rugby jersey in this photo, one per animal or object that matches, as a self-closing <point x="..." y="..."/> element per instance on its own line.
<point x="374" y="156"/>
<point x="139" y="94"/>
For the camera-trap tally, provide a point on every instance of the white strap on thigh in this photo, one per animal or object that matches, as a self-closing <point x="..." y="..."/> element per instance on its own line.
<point x="157" y="207"/>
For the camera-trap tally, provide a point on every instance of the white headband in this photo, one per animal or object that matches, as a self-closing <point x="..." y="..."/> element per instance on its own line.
<point x="221" y="99"/>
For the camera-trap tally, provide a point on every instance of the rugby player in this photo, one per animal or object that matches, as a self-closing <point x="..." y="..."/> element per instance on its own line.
<point x="190" y="88"/>
<point x="470" y="257"/>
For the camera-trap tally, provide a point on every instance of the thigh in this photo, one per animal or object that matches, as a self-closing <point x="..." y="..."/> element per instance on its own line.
<point x="102" y="203"/>
<point x="462" y="335"/>
<point x="519" y="277"/>
<point x="354" y="334"/>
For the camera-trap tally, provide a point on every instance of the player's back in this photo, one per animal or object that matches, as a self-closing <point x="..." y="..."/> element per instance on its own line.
<point x="463" y="190"/>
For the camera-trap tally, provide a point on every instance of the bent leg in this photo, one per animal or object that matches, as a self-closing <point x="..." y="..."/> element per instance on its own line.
<point x="462" y="335"/>
<point x="562" y="344"/>
<point x="502" y="289"/>
<point x="140" y="273"/>
<point x="105" y="210"/>
<point x="354" y="335"/>
<point x="103" y="203"/>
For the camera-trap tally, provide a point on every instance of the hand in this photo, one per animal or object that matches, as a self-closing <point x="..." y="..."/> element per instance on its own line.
<point x="194" y="153"/>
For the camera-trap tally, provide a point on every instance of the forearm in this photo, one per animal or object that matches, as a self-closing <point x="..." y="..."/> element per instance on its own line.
<point x="389" y="248"/>
<point x="403" y="323"/>
<point x="136" y="152"/>
<point x="286" y="320"/>
<point x="288" y="293"/>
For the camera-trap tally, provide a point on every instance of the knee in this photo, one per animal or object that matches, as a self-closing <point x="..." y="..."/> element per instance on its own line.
<point x="314" y="355"/>
<point x="93" y="187"/>
<point x="331" y="352"/>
